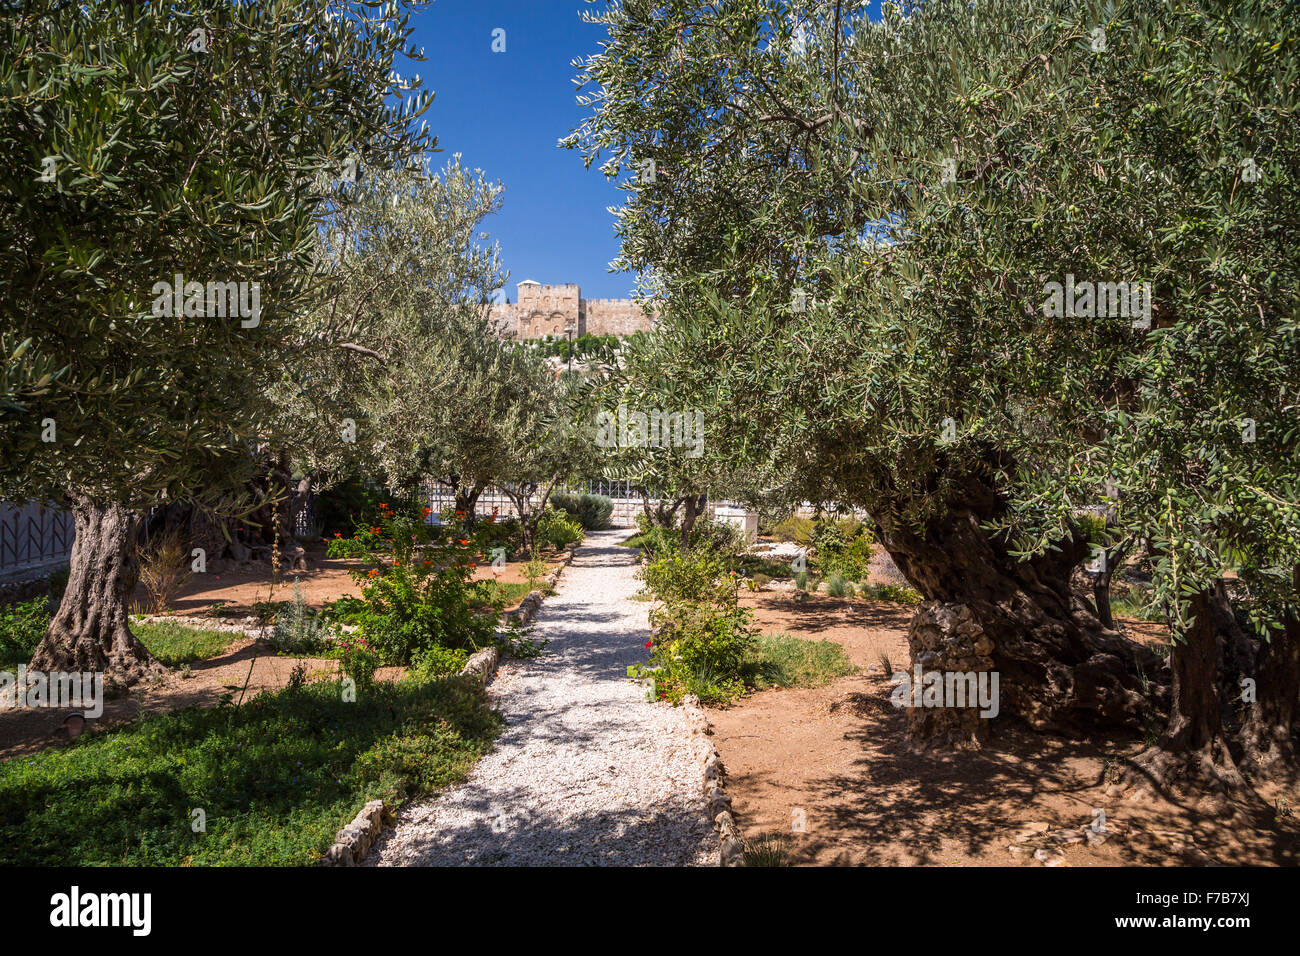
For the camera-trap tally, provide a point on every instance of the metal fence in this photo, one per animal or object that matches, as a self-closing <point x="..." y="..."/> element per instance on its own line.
<point x="32" y="536"/>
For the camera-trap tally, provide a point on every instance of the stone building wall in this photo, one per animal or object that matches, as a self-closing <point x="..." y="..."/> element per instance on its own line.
<point x="615" y="317"/>
<point x="542" y="310"/>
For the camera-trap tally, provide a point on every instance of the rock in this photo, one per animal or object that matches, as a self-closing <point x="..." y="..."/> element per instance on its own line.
<point x="1049" y="857"/>
<point x="1067" y="837"/>
<point x="731" y="852"/>
<point x="482" y="664"/>
<point x="340" y="854"/>
<point x="1094" y="837"/>
<point x="1029" y="830"/>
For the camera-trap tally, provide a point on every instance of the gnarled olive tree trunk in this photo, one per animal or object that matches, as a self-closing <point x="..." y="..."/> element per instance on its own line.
<point x="90" y="630"/>
<point x="1193" y="746"/>
<point x="1059" y="668"/>
<point x="1268" y="735"/>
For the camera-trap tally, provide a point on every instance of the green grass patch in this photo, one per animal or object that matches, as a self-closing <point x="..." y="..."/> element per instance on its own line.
<point x="276" y="778"/>
<point x="781" y="660"/>
<point x="511" y="592"/>
<point x="176" y="644"/>
<point x="636" y="541"/>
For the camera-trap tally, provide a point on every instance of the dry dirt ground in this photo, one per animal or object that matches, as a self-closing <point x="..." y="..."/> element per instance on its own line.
<point x="246" y="668"/>
<point x="837" y="753"/>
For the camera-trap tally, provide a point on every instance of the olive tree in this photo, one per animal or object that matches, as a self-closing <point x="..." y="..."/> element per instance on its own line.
<point x="160" y="170"/>
<point x="858" y="227"/>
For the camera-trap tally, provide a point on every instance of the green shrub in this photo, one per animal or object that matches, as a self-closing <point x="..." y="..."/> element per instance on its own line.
<point x="22" y="626"/>
<point x="504" y="533"/>
<point x="592" y="511"/>
<point x="842" y="547"/>
<point x="702" y="635"/>
<point x="557" y="529"/>
<point x="801" y="580"/>
<point x="890" y="592"/>
<point x="358" y="660"/>
<point x="836" y="586"/>
<point x="346" y="610"/>
<point x="718" y="536"/>
<point x="794" y="528"/>
<point x="423" y="594"/>
<point x="365" y="540"/>
<point x="433" y="662"/>
<point x="690" y="577"/>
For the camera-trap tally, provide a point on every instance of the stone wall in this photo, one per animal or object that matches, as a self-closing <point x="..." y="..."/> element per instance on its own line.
<point x="542" y="310"/>
<point x="615" y="317"/>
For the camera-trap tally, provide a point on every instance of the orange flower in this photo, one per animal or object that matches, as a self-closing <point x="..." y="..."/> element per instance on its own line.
<point x="373" y="573"/>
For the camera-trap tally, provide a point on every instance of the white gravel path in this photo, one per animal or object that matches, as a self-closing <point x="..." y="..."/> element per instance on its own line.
<point x="586" y="770"/>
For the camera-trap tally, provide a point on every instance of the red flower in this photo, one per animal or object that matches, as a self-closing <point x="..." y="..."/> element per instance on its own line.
<point x="648" y="643"/>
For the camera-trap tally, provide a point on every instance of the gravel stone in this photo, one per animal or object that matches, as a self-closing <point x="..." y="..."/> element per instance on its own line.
<point x="586" y="770"/>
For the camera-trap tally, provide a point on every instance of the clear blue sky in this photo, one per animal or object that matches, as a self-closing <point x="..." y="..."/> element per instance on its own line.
<point x="505" y="113"/>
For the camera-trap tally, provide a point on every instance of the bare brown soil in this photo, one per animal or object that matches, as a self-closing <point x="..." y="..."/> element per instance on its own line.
<point x="837" y="754"/>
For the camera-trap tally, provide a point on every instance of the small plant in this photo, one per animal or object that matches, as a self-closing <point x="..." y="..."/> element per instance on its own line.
<point x="535" y="572"/>
<point x="1283" y="808"/>
<point x="886" y="664"/>
<point x="299" y="629"/>
<point x="836" y="586"/>
<point x="266" y="611"/>
<point x="297" y="678"/>
<point x="801" y="580"/>
<point x="164" y="570"/>
<point x="768" y="850"/>
<point x="436" y="661"/>
<point x="359" y="661"/>
<point x="1112" y="770"/>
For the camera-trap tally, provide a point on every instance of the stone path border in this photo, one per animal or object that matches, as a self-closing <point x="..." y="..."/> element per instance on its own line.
<point x="730" y="846"/>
